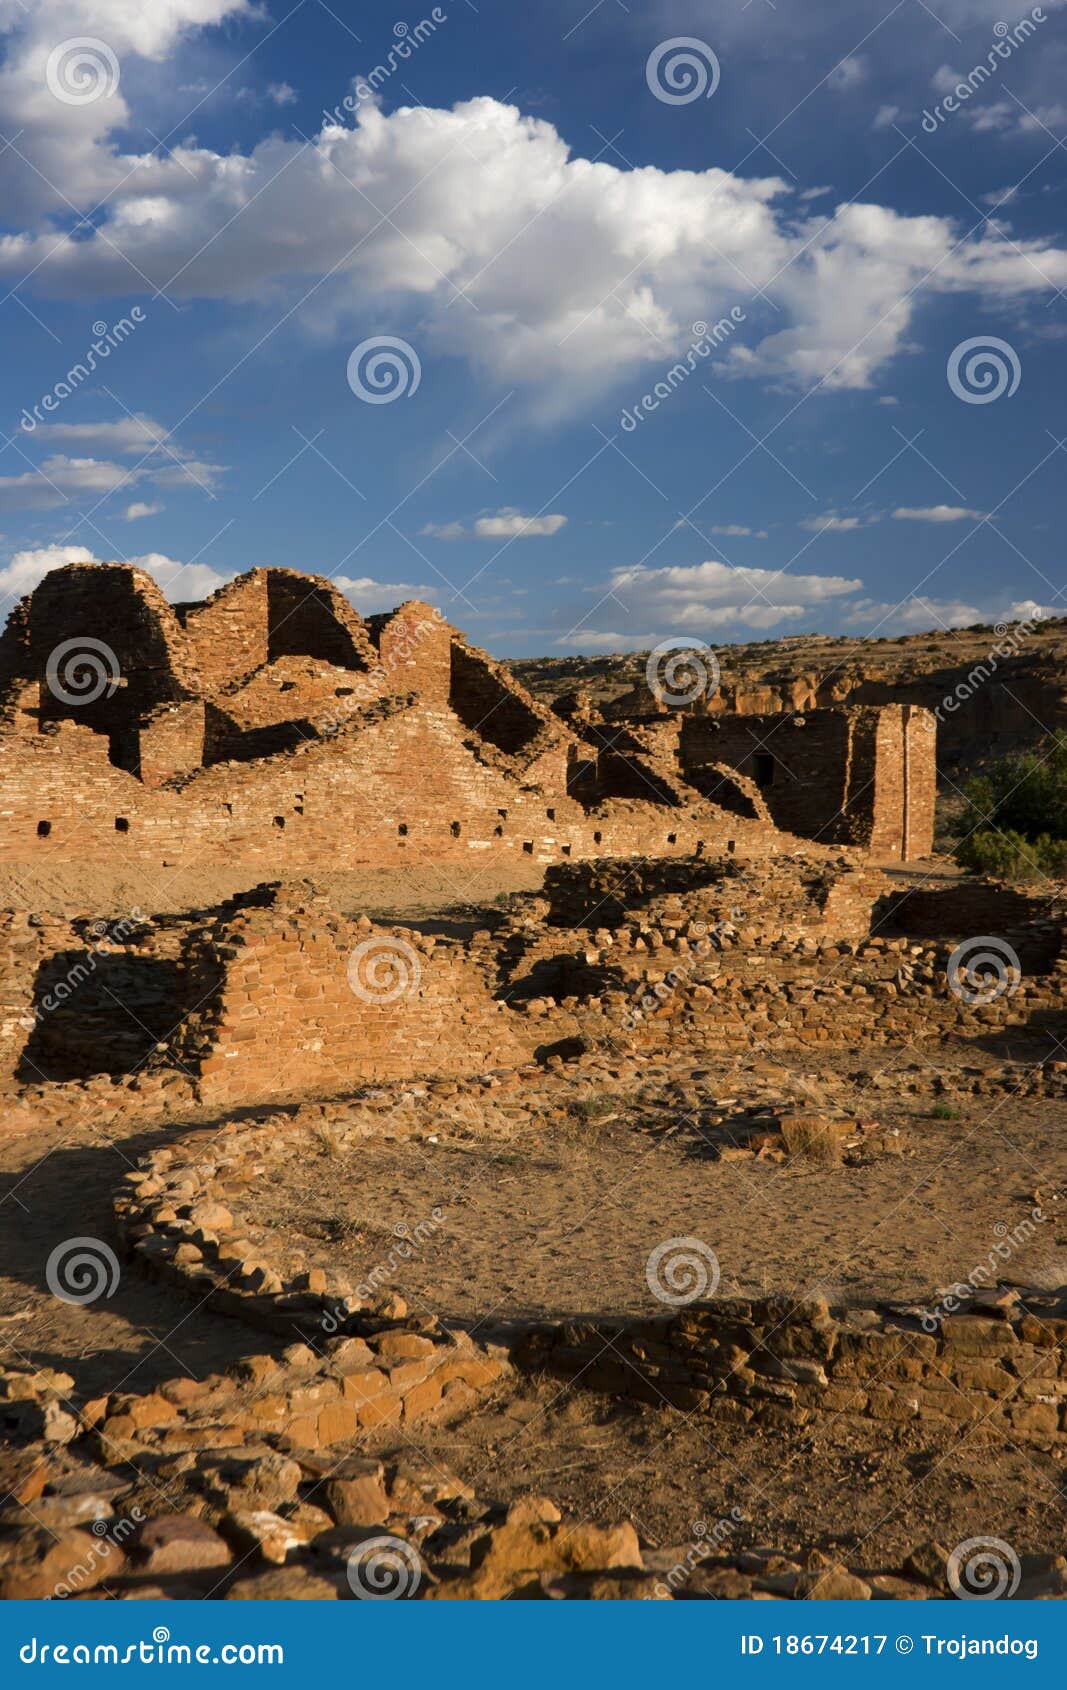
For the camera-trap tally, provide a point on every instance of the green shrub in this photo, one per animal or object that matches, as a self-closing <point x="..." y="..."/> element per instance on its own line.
<point x="1014" y="821"/>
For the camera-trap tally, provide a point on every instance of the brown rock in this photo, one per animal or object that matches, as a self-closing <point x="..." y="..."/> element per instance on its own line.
<point x="835" y="1584"/>
<point x="358" y="1498"/>
<point x="283" y="1584"/>
<point x="928" y="1562"/>
<point x="260" y="1530"/>
<point x="36" y="1563"/>
<point x="179" y="1543"/>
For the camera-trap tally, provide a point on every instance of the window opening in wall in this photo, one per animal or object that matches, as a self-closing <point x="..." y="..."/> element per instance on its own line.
<point x="502" y="814"/>
<point x="402" y="830"/>
<point x="122" y="824"/>
<point x="672" y="839"/>
<point x="763" y="768"/>
<point x="528" y="847"/>
<point x="454" y="830"/>
<point x="597" y="837"/>
<point x="43" y="829"/>
<point x="498" y="833"/>
<point x="279" y="821"/>
<point x="551" y="814"/>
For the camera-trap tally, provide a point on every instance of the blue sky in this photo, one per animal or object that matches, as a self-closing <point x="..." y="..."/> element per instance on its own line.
<point x="544" y="233"/>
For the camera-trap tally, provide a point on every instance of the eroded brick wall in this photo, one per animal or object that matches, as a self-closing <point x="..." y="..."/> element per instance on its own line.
<point x="785" y="1365"/>
<point x="861" y="776"/>
<point x="403" y="785"/>
<point x="299" y="1000"/>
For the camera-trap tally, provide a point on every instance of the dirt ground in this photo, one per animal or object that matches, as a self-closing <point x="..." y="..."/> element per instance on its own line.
<point x="419" y="890"/>
<point x="858" y="1498"/>
<point x="53" y="1188"/>
<point x="560" y="1217"/>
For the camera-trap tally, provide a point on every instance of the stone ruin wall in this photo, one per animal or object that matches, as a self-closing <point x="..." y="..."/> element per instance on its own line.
<point x="863" y="777"/>
<point x="297" y="999"/>
<point x="277" y="995"/>
<point x="272" y="726"/>
<point x="787" y="1367"/>
<point x="404" y="790"/>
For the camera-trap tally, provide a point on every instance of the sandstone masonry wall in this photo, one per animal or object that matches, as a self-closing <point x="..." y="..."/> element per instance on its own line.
<point x="787" y="1365"/>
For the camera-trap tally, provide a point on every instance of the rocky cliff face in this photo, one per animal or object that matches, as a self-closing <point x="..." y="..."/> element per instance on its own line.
<point x="993" y="689"/>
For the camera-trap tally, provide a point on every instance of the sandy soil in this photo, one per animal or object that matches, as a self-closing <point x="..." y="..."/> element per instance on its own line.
<point x="561" y="1217"/>
<point x="53" y="1189"/>
<point x="854" y="1496"/>
<point x="422" y="889"/>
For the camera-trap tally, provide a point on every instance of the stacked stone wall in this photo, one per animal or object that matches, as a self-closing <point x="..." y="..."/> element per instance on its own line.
<point x="789" y="1365"/>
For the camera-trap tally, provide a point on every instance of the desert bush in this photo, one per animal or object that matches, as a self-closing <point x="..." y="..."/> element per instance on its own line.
<point x="1013" y="824"/>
